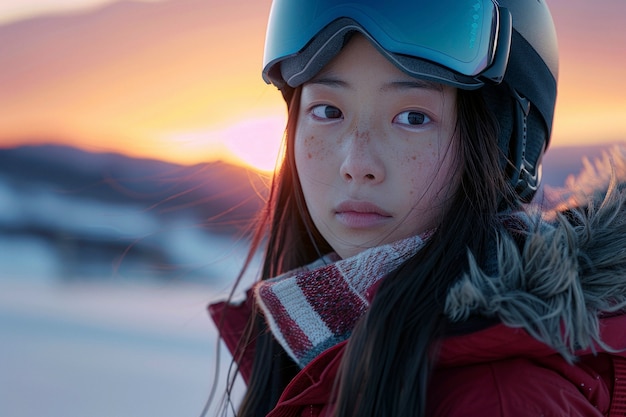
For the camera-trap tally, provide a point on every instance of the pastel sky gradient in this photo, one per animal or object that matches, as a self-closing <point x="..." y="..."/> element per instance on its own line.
<point x="180" y="79"/>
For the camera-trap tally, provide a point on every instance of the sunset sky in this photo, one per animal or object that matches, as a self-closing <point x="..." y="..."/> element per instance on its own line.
<point x="180" y="79"/>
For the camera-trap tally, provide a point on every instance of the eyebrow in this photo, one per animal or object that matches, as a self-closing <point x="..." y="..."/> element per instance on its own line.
<point x="331" y="81"/>
<point x="412" y="84"/>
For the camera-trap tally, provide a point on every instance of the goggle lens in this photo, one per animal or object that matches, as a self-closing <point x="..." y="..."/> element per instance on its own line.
<point x="458" y="34"/>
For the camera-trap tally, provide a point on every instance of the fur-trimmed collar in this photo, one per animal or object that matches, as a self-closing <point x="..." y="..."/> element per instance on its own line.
<point x="570" y="268"/>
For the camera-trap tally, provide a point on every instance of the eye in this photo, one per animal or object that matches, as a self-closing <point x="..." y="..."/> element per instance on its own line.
<point x="324" y="111"/>
<point x="412" y="118"/>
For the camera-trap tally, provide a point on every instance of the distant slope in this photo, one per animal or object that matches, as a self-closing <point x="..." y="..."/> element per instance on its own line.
<point x="72" y="215"/>
<point x="225" y="195"/>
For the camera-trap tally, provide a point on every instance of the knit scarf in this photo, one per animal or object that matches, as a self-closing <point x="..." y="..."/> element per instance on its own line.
<point x="315" y="307"/>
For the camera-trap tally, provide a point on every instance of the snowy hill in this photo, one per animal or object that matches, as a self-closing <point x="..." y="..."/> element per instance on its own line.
<point x="71" y="214"/>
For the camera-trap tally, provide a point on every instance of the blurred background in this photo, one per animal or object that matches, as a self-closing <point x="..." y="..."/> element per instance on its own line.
<point x="136" y="142"/>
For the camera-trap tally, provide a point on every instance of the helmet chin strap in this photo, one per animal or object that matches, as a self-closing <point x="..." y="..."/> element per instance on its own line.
<point x="525" y="177"/>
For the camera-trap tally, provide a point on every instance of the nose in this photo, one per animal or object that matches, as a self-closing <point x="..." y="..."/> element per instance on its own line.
<point x="362" y="162"/>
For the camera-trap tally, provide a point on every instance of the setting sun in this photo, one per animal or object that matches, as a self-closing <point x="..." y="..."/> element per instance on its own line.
<point x="254" y="143"/>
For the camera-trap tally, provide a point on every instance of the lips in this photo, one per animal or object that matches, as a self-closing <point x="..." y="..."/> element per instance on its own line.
<point x="362" y="207"/>
<point x="361" y="214"/>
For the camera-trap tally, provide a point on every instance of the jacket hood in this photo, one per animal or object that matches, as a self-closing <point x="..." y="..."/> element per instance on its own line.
<point x="562" y="268"/>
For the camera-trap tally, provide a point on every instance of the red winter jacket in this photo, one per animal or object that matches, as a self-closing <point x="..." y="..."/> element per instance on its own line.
<point x="497" y="372"/>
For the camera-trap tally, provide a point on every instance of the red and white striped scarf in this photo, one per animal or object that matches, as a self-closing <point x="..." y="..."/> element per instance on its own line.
<point x="315" y="307"/>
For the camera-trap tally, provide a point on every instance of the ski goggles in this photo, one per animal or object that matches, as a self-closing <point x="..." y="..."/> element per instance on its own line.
<point x="460" y="42"/>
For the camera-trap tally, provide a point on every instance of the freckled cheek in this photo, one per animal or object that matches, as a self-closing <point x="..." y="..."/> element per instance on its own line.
<point x="424" y="153"/>
<point x="311" y="148"/>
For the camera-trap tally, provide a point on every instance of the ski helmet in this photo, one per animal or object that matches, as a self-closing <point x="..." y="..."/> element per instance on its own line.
<point x="506" y="48"/>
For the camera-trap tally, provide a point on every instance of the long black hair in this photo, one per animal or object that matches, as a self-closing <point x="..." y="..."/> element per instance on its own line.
<point x="390" y="355"/>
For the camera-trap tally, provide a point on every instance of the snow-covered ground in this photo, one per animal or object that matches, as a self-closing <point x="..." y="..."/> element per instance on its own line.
<point x="106" y="350"/>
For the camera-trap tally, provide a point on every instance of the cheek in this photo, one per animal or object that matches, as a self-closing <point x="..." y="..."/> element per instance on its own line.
<point x="419" y="165"/>
<point x="310" y="150"/>
<point x="312" y="166"/>
<point x="431" y="175"/>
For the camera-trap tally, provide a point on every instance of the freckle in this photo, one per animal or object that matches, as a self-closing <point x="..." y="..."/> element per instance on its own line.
<point x="308" y="155"/>
<point x="414" y="157"/>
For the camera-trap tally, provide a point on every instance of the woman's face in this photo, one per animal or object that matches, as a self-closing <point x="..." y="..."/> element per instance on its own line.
<point x="375" y="150"/>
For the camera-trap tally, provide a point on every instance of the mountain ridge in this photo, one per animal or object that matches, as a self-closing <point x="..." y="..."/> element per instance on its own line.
<point x="208" y="190"/>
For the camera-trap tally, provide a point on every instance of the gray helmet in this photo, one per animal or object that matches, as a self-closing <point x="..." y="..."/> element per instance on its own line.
<point x="507" y="48"/>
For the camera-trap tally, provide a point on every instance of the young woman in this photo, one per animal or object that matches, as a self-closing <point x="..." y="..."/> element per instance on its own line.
<point x="404" y="273"/>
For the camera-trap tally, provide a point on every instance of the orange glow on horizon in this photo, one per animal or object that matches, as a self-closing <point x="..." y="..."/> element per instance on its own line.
<point x="252" y="143"/>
